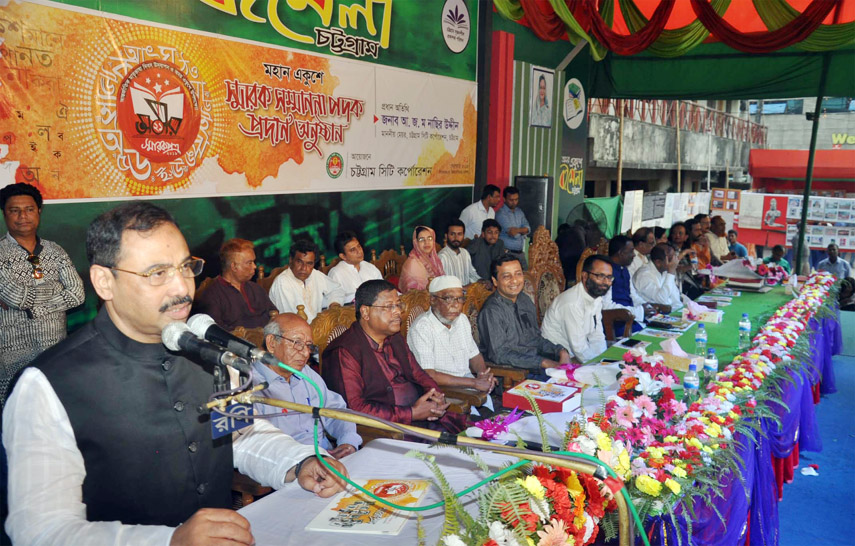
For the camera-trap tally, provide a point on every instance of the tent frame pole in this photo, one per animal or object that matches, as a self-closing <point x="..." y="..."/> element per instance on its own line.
<point x="817" y="111"/>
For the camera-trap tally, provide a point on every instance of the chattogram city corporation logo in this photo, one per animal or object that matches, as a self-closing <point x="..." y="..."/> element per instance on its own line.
<point x="335" y="165"/>
<point x="158" y="111"/>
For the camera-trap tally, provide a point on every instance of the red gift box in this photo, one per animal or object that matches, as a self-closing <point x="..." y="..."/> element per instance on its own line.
<point x="550" y="397"/>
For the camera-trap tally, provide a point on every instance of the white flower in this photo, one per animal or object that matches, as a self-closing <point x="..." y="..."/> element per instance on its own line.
<point x="502" y="535"/>
<point x="589" y="527"/>
<point x="592" y="430"/>
<point x="647" y="385"/>
<point x="453" y="540"/>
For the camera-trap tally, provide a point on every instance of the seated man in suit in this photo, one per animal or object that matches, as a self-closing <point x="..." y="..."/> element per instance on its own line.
<point x="232" y="299"/>
<point x="507" y="324"/>
<point x="289" y="338"/>
<point x="371" y="366"/>
<point x="302" y="284"/>
<point x="441" y="340"/>
<point x="352" y="270"/>
<point x="575" y="318"/>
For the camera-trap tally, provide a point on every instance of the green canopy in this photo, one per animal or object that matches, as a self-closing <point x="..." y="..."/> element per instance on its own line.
<point x="715" y="71"/>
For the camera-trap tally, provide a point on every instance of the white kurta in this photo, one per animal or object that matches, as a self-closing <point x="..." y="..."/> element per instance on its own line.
<point x="656" y="287"/>
<point x="575" y="320"/>
<point x="316" y="294"/>
<point x="349" y="278"/>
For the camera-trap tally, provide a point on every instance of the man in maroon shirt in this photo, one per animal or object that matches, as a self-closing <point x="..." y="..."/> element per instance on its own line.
<point x="232" y="299"/>
<point x="371" y="366"/>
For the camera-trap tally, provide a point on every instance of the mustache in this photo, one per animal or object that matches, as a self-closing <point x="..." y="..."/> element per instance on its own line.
<point x="174" y="302"/>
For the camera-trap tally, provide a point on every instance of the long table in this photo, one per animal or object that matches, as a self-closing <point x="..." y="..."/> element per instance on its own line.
<point x="281" y="517"/>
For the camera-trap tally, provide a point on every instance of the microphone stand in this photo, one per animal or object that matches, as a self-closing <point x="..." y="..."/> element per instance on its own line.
<point x="626" y="534"/>
<point x="221" y="378"/>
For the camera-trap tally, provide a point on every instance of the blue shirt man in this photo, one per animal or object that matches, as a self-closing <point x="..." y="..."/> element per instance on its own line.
<point x="515" y="226"/>
<point x="735" y="246"/>
<point x="289" y="338"/>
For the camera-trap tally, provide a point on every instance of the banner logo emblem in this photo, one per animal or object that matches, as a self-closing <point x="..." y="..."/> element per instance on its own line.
<point x="335" y="165"/>
<point x="456" y="25"/>
<point x="158" y="111"/>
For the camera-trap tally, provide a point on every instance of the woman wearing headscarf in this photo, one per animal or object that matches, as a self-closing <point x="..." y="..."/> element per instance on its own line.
<point x="423" y="263"/>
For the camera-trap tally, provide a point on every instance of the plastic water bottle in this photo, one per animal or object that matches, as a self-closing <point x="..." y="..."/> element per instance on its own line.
<point x="744" y="333"/>
<point x="701" y="340"/>
<point x="710" y="365"/>
<point x="691" y="384"/>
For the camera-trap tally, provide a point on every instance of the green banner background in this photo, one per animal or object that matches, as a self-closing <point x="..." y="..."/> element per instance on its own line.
<point x="415" y="41"/>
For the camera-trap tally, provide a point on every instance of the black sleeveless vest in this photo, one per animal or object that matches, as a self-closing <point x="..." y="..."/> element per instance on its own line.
<point x="134" y="409"/>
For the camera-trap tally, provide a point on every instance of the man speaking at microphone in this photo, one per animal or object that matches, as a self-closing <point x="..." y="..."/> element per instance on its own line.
<point x="106" y="439"/>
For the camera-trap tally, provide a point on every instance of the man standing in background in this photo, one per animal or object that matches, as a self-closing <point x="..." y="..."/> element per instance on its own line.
<point x="38" y="284"/>
<point x="515" y="226"/>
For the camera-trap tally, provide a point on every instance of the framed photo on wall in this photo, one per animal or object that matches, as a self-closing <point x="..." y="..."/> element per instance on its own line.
<point x="541" y="97"/>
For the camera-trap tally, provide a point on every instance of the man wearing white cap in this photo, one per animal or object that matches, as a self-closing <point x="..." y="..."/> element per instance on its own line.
<point x="442" y="342"/>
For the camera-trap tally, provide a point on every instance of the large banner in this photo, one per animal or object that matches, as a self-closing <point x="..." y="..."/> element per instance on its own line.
<point x="98" y="105"/>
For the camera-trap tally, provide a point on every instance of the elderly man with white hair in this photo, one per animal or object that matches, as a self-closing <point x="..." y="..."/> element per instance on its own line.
<point x="441" y="340"/>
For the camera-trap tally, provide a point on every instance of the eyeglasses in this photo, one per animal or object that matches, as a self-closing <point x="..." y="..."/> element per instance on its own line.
<point x="452" y="299"/>
<point x="162" y="275"/>
<point x="299" y="344"/>
<point x="38" y="272"/>
<point x="391" y="307"/>
<point x="601" y="276"/>
<point x="425" y="239"/>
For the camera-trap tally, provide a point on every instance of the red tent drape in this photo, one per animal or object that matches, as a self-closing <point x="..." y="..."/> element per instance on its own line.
<point x="793" y="32"/>
<point x="633" y="43"/>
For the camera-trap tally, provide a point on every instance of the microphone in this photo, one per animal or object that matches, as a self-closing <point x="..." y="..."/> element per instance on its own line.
<point x="206" y="328"/>
<point x="177" y="336"/>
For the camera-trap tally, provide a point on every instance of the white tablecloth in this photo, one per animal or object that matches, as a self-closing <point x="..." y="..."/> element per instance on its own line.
<point x="280" y="518"/>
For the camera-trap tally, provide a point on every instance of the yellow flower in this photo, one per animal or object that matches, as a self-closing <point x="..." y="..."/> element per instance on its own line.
<point x="671" y="439"/>
<point x="529" y="541"/>
<point x="679" y="472"/>
<point x="656" y="452"/>
<point x="648" y="485"/>
<point x="574" y="486"/>
<point x="623" y="463"/>
<point x="708" y="449"/>
<point x="532" y="485"/>
<point x="673" y="486"/>
<point x="604" y="443"/>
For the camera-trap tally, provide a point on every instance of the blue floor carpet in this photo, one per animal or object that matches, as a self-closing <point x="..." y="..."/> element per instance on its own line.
<point x="821" y="509"/>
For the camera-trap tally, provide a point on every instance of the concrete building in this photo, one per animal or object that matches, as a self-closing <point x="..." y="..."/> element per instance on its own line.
<point x="713" y="136"/>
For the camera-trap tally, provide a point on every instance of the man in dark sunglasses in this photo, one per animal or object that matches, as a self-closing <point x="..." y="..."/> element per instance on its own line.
<point x="38" y="284"/>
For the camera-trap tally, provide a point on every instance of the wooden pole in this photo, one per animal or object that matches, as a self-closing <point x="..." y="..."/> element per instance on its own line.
<point x="620" y="151"/>
<point x="679" y="159"/>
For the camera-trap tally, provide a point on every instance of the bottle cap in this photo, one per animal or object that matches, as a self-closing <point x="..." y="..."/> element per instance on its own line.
<point x="711" y="352"/>
<point x="744" y="315"/>
<point x="693" y="367"/>
<point x="701" y="326"/>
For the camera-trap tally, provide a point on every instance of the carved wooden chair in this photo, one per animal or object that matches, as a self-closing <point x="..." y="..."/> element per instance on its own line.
<point x="267" y="281"/>
<point x="588" y="252"/>
<point x="612" y="315"/>
<point x="476" y="295"/>
<point x="325" y="268"/>
<point x="202" y="287"/>
<point x="253" y="335"/>
<point x="545" y="271"/>
<point x="389" y="263"/>
<point x="415" y="303"/>
<point x="329" y="324"/>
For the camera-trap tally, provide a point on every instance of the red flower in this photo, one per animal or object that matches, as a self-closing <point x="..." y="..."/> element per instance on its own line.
<point x="490" y="542"/>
